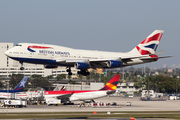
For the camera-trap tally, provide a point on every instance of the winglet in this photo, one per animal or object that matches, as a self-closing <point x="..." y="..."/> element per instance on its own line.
<point x="158" y="53"/>
<point x="20" y="87"/>
<point x="112" y="84"/>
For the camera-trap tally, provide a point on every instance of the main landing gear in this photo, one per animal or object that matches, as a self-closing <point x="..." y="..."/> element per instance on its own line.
<point x="83" y="72"/>
<point x="69" y="71"/>
<point x="21" y="68"/>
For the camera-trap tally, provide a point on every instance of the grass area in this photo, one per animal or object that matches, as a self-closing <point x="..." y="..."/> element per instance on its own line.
<point x="115" y="114"/>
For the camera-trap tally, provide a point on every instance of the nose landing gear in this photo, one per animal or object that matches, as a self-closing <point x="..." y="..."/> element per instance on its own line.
<point x="21" y="68"/>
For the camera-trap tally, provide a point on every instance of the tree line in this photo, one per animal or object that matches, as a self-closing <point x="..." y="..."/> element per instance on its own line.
<point x="157" y="83"/>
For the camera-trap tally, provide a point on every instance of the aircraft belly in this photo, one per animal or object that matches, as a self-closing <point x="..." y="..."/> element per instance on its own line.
<point x="41" y="61"/>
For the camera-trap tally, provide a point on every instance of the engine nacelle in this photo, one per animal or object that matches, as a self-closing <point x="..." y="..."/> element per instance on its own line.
<point x="113" y="63"/>
<point x="81" y="66"/>
<point x="50" y="66"/>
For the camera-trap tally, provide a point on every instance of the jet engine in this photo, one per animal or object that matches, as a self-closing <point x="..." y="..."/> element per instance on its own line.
<point x="113" y="63"/>
<point x="50" y="66"/>
<point x="81" y="66"/>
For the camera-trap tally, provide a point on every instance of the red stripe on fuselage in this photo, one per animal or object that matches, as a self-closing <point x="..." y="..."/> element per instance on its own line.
<point x="68" y="92"/>
<point x="19" y="88"/>
<point x="38" y="47"/>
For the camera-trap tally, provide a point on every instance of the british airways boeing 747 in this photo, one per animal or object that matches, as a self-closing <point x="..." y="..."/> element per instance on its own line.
<point x="52" y="56"/>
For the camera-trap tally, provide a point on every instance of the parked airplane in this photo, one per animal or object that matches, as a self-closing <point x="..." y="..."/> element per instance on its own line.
<point x="76" y="95"/>
<point x="52" y="56"/>
<point x="20" y="87"/>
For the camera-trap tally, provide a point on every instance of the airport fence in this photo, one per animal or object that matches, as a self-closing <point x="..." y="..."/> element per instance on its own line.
<point x="124" y="95"/>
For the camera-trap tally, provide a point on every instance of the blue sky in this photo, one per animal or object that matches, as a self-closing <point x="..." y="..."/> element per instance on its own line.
<point x="107" y="25"/>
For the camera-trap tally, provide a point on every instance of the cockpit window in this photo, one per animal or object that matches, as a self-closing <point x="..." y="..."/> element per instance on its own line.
<point x="18" y="45"/>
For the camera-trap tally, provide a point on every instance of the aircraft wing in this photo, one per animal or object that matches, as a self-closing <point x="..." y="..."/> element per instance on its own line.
<point x="100" y="63"/>
<point x="65" y="96"/>
<point x="97" y="60"/>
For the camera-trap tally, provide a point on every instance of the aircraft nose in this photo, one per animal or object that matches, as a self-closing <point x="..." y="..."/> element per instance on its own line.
<point x="7" y="53"/>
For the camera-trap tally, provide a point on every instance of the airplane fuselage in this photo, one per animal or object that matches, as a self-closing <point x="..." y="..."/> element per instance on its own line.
<point x="53" y="56"/>
<point x="63" y="56"/>
<point x="76" y="95"/>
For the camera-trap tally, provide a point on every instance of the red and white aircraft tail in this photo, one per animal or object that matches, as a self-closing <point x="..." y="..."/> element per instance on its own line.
<point x="148" y="45"/>
<point x="112" y="84"/>
<point x="63" y="88"/>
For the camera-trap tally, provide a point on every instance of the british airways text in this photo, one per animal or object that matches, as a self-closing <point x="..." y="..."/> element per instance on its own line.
<point x="53" y="52"/>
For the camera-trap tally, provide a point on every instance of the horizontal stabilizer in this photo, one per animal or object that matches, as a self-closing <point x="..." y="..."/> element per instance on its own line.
<point x="155" y="58"/>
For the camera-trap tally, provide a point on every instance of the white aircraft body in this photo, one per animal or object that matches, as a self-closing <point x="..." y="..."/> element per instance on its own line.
<point x="52" y="56"/>
<point x="78" y="95"/>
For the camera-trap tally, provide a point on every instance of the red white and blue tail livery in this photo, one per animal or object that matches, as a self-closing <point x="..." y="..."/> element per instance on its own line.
<point x="76" y="95"/>
<point x="150" y="44"/>
<point x="52" y="56"/>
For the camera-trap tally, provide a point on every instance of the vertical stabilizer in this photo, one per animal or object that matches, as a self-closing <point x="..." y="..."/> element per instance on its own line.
<point x="112" y="84"/>
<point x="148" y="45"/>
<point x="63" y="88"/>
<point x="20" y="87"/>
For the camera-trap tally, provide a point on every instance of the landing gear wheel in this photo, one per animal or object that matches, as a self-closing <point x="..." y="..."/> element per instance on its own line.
<point x="69" y="71"/>
<point x="21" y="68"/>
<point x="83" y="72"/>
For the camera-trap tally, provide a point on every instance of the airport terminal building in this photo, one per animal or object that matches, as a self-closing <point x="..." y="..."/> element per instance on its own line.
<point x="9" y="66"/>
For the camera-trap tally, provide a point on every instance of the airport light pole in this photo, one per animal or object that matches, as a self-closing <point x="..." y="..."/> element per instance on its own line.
<point x="148" y="80"/>
<point x="176" y="88"/>
<point x="123" y="73"/>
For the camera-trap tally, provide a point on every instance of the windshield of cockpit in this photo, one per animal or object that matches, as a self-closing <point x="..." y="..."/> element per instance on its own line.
<point x="18" y="45"/>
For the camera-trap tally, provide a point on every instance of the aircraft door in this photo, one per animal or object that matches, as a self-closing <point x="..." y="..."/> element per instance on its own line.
<point x="79" y="56"/>
<point x="52" y="56"/>
<point x="31" y="54"/>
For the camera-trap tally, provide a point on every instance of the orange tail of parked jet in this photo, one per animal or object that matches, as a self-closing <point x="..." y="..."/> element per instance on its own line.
<point x="112" y="84"/>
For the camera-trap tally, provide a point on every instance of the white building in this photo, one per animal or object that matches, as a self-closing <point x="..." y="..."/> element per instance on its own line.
<point x="9" y="66"/>
<point x="128" y="88"/>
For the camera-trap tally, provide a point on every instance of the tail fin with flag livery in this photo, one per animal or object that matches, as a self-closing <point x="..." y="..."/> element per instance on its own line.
<point x="148" y="45"/>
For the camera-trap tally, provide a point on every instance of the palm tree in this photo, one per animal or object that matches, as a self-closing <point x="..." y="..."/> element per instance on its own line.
<point x="80" y="78"/>
<point x="88" y="78"/>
